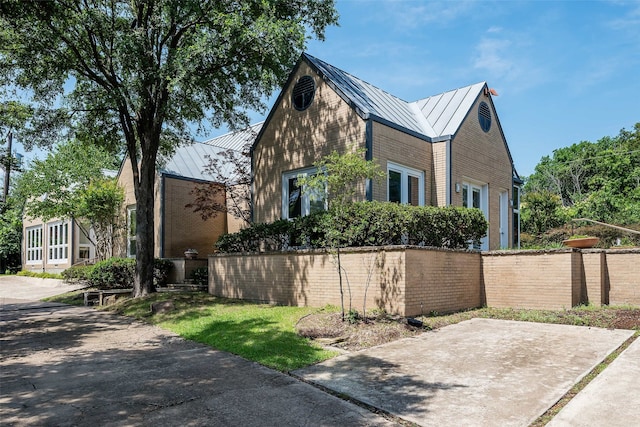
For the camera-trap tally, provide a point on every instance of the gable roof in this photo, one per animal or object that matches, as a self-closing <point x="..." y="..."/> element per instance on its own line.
<point x="434" y="117"/>
<point x="189" y="160"/>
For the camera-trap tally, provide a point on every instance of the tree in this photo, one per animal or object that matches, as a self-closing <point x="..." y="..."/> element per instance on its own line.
<point x="230" y="178"/>
<point x="338" y="181"/>
<point x="10" y="235"/>
<point x="597" y="180"/>
<point x="69" y="184"/>
<point x="143" y="71"/>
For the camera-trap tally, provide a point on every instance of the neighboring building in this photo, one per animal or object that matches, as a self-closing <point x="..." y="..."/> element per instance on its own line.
<point x="178" y="228"/>
<point x="56" y="245"/>
<point x="447" y="149"/>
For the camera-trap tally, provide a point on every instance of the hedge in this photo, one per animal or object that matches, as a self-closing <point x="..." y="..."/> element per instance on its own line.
<point x="364" y="224"/>
<point x="118" y="273"/>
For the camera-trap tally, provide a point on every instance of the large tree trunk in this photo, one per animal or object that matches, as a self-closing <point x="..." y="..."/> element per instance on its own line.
<point x="144" y="227"/>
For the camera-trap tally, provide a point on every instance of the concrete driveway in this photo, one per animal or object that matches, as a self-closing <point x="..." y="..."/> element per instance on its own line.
<point x="75" y="366"/>
<point x="64" y="365"/>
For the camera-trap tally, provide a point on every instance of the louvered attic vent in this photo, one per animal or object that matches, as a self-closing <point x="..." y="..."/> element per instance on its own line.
<point x="484" y="116"/>
<point x="303" y="93"/>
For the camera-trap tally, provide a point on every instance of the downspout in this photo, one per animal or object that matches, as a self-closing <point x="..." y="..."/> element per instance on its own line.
<point x="448" y="172"/>
<point x="368" y="157"/>
<point x="161" y="225"/>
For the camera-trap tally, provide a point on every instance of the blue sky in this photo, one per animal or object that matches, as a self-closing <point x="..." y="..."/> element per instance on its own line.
<point x="565" y="72"/>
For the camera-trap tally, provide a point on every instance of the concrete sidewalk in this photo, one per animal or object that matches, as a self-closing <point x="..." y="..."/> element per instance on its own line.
<point x="611" y="399"/>
<point x="480" y="372"/>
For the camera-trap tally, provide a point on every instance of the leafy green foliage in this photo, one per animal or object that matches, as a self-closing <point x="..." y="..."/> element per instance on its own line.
<point x="139" y="73"/>
<point x="40" y="275"/>
<point x="200" y="275"/>
<point x="599" y="181"/>
<point x="10" y="236"/>
<point x="364" y="224"/>
<point x="118" y="273"/>
<point x="541" y="211"/>
<point x="77" y="273"/>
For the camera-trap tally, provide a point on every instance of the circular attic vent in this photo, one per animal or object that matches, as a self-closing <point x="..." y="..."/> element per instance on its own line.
<point x="303" y="93"/>
<point x="484" y="116"/>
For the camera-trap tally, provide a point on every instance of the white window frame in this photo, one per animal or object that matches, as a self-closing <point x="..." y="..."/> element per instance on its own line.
<point x="483" y="188"/>
<point x="305" y="208"/>
<point x="405" y="173"/>
<point x="131" y="238"/>
<point x="86" y="246"/>
<point x="33" y="244"/>
<point x="58" y="242"/>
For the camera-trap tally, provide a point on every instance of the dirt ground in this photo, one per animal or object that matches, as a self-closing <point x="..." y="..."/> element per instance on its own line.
<point x="328" y="329"/>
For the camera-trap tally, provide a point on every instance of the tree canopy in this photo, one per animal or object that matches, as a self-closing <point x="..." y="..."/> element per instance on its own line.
<point x="138" y="73"/>
<point x="596" y="180"/>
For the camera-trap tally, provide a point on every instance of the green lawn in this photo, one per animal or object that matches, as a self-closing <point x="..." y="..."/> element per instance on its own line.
<point x="259" y="332"/>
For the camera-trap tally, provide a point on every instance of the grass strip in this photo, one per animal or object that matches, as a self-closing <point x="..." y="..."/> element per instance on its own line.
<point x="545" y="418"/>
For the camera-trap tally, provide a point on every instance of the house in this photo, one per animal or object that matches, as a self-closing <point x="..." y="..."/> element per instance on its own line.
<point x="178" y="228"/>
<point x="56" y="245"/>
<point x="443" y="150"/>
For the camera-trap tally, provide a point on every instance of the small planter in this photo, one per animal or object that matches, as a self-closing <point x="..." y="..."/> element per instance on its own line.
<point x="582" y="242"/>
<point x="191" y="254"/>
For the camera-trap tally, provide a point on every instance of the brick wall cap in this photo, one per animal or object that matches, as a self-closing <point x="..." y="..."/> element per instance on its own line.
<point x="388" y="248"/>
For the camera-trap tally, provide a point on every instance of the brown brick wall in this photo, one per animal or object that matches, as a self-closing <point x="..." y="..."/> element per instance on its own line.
<point x="529" y="280"/>
<point x="296" y="139"/>
<point x="414" y="281"/>
<point x="442" y="281"/>
<point x="391" y="145"/>
<point x="439" y="174"/>
<point x="623" y="277"/>
<point x="482" y="157"/>
<point x="184" y="229"/>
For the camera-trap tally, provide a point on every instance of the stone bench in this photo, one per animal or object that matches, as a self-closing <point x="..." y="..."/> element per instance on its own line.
<point x="91" y="297"/>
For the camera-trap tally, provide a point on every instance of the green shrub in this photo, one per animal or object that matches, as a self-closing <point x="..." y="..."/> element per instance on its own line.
<point x="119" y="273"/>
<point x="113" y="273"/>
<point x="161" y="269"/>
<point x="77" y="273"/>
<point x="26" y="273"/>
<point x="200" y="276"/>
<point x="364" y="224"/>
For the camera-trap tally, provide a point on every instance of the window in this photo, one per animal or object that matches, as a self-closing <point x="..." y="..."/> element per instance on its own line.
<point x="34" y="244"/>
<point x="296" y="203"/>
<point x="58" y="242"/>
<point x="84" y="244"/>
<point x="131" y="231"/>
<point x="475" y="195"/>
<point x="516" y="217"/>
<point x="405" y="185"/>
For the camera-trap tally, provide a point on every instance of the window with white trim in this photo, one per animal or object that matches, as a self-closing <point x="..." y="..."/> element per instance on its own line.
<point x="34" y="244"/>
<point x="58" y="242"/>
<point x="84" y="242"/>
<point x="295" y="202"/>
<point x="475" y="195"/>
<point x="131" y="231"/>
<point x="405" y="185"/>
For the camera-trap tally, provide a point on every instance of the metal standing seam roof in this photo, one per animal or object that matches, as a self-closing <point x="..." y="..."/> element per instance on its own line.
<point x="433" y="117"/>
<point x="190" y="160"/>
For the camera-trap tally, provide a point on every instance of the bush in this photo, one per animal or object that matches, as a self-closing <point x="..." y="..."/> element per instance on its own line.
<point x="113" y="273"/>
<point x="26" y="273"/>
<point x="364" y="224"/>
<point x="77" y="273"/>
<point x="200" y="276"/>
<point x="161" y="269"/>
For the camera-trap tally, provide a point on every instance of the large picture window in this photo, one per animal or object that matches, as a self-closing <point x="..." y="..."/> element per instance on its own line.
<point x="58" y="242"/>
<point x="295" y="202"/>
<point x="131" y="231"/>
<point x="405" y="185"/>
<point x="34" y="244"/>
